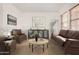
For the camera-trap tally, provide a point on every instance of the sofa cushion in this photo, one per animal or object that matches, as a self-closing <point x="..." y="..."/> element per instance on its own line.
<point x="70" y="34"/>
<point x="16" y="32"/>
<point x="62" y="38"/>
<point x="2" y="39"/>
<point x="75" y="43"/>
<point x="19" y="32"/>
<point x="63" y="33"/>
<point x="76" y="35"/>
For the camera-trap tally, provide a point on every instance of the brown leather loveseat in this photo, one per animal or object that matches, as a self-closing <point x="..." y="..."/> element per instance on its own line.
<point x="18" y="35"/>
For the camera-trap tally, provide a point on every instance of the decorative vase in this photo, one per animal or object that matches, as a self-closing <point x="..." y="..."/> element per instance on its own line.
<point x="36" y="37"/>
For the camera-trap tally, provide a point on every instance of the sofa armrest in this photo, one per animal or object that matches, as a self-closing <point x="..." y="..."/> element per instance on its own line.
<point x="22" y="33"/>
<point x="10" y="45"/>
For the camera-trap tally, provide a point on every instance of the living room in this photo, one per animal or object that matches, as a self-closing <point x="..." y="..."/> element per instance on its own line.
<point x="27" y="19"/>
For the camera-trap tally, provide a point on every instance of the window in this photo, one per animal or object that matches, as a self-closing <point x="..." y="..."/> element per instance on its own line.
<point x="70" y="19"/>
<point x="75" y="13"/>
<point x="75" y="18"/>
<point x="65" y="23"/>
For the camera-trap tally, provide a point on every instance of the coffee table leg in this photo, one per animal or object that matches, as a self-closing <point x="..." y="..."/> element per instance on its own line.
<point x="32" y="47"/>
<point x="29" y="45"/>
<point x="47" y="45"/>
<point x="43" y="47"/>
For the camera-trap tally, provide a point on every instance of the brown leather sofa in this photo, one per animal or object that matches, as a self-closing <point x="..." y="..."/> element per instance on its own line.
<point x="71" y="46"/>
<point x="69" y="39"/>
<point x="7" y="46"/>
<point x="18" y="35"/>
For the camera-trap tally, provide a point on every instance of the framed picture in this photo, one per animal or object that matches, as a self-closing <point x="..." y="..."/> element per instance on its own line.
<point x="38" y="22"/>
<point x="11" y="20"/>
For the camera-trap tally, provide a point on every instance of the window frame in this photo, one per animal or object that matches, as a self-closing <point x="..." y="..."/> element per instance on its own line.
<point x="67" y="19"/>
<point x="70" y="15"/>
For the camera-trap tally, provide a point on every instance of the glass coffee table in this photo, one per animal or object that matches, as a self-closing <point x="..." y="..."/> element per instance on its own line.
<point x="41" y="41"/>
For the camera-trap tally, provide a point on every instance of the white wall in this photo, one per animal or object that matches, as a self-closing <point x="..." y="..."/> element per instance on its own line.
<point x="26" y="19"/>
<point x="0" y="15"/>
<point x="1" y="19"/>
<point x="66" y="7"/>
<point x="9" y="9"/>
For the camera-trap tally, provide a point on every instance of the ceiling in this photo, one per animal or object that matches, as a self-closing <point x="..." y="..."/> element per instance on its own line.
<point x="40" y="7"/>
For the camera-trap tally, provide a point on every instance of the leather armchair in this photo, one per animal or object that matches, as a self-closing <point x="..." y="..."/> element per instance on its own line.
<point x="18" y="35"/>
<point x="71" y="46"/>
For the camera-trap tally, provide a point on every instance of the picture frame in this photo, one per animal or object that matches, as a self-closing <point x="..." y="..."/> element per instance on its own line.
<point x="11" y="20"/>
<point x="38" y="22"/>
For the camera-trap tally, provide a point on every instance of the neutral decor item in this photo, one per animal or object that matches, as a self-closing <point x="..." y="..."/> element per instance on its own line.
<point x="11" y="20"/>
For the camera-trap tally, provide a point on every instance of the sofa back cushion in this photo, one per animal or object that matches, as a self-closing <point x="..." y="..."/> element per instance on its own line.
<point x="16" y="32"/>
<point x="19" y="32"/>
<point x="63" y="33"/>
<point x="70" y="33"/>
<point x="13" y="32"/>
<point x="73" y="34"/>
<point x="76" y="35"/>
